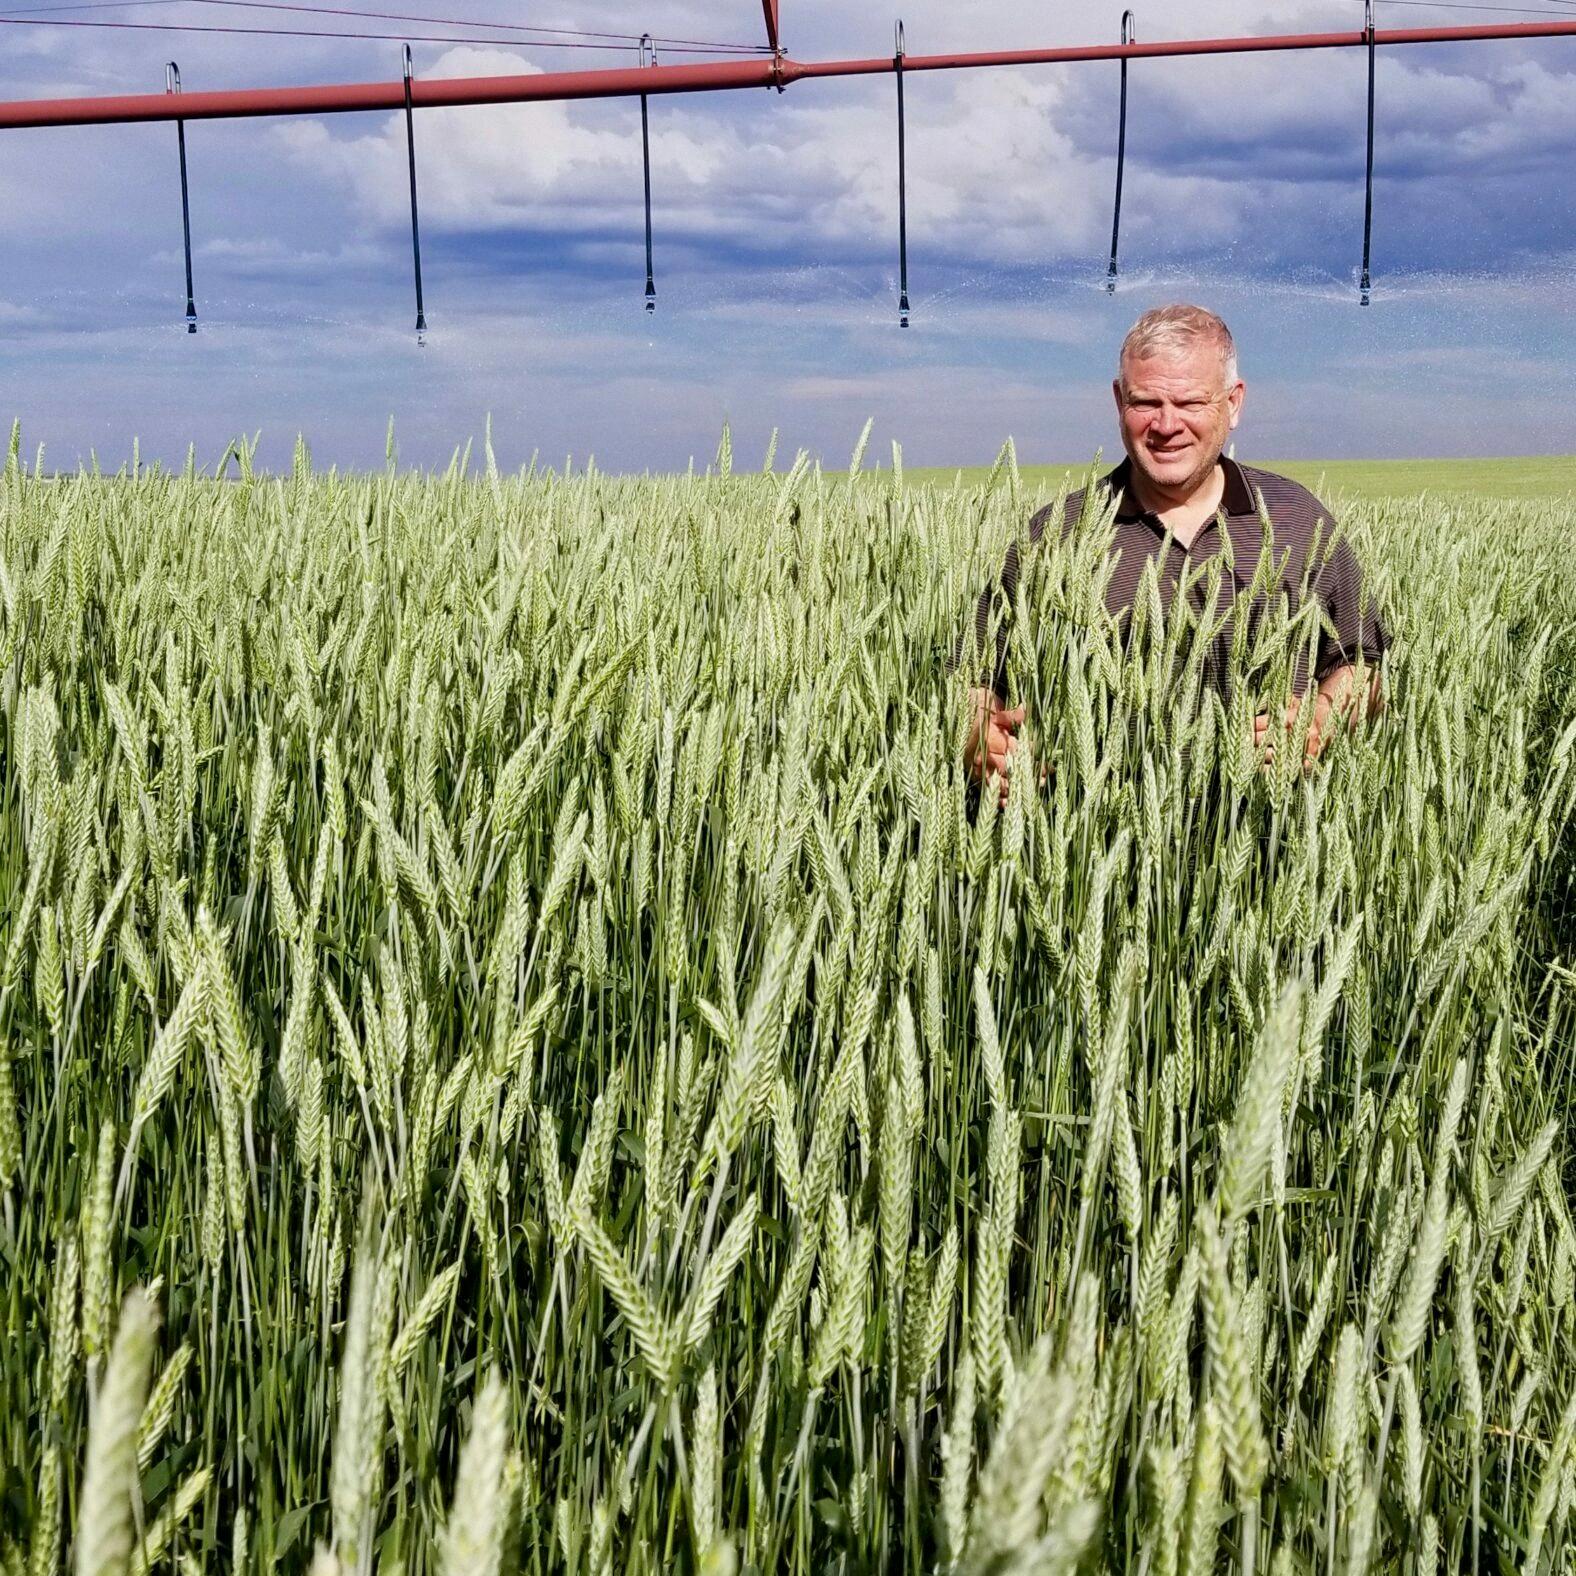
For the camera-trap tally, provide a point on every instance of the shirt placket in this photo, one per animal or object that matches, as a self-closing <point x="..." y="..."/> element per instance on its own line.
<point x="1207" y="545"/>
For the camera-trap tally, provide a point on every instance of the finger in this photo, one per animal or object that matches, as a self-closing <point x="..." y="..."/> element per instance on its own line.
<point x="1000" y="739"/>
<point x="1005" y="718"/>
<point x="1000" y="765"/>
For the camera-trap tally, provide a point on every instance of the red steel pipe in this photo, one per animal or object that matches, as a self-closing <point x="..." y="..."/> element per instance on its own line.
<point x="425" y="93"/>
<point x="429" y="93"/>
<point x="1184" y="46"/>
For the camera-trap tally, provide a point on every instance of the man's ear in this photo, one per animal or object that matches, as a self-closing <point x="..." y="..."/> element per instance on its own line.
<point x="1116" y="394"/>
<point x="1234" y="400"/>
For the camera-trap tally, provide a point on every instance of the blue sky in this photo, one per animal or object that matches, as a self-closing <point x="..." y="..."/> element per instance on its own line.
<point x="776" y="245"/>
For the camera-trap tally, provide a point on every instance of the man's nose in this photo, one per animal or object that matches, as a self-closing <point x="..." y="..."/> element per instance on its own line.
<point x="1167" y="422"/>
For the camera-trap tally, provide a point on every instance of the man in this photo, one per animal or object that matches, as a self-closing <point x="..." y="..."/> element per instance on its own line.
<point x="1178" y="396"/>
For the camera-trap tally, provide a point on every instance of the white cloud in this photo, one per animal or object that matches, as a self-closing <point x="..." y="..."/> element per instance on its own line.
<point x="1006" y="166"/>
<point x="990" y="174"/>
<point x="828" y="387"/>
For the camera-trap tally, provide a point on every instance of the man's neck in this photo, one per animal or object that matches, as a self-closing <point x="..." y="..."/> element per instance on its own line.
<point x="1185" y="512"/>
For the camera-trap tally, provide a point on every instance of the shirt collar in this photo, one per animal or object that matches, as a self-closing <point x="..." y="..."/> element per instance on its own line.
<point x="1237" y="498"/>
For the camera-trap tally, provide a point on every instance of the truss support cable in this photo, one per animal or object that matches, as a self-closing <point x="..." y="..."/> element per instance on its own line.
<point x="902" y="188"/>
<point x="710" y="77"/>
<point x="172" y="84"/>
<point x="1121" y="157"/>
<point x="415" y="223"/>
<point x="1368" y="184"/>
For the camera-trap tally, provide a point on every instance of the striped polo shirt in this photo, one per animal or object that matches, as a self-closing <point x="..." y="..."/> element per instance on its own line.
<point x="1309" y="553"/>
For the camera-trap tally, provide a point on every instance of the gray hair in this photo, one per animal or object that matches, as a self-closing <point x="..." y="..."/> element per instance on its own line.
<point x="1179" y="328"/>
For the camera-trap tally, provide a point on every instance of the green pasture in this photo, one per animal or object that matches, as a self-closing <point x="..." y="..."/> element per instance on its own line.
<point x="1541" y="476"/>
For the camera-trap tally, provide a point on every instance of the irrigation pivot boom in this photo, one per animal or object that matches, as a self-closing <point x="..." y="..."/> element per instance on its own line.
<point x="704" y="77"/>
<point x="776" y="70"/>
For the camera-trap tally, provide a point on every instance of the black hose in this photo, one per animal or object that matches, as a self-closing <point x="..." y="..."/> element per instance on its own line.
<point x="173" y="79"/>
<point x="1368" y="189"/>
<point x="415" y="225"/>
<point x="645" y="153"/>
<point x="902" y="189"/>
<point x="1121" y="157"/>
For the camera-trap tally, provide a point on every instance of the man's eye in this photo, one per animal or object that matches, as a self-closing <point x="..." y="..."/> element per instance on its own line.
<point x="1192" y="407"/>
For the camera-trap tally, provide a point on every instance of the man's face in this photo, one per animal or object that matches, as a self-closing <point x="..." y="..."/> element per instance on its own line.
<point x="1176" y="410"/>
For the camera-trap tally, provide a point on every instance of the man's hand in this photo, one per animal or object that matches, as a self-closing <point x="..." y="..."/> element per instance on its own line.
<point x="1333" y="700"/>
<point x="992" y="739"/>
<point x="1264" y="741"/>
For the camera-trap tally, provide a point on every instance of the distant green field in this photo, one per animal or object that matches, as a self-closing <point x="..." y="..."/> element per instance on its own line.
<point x="1546" y="476"/>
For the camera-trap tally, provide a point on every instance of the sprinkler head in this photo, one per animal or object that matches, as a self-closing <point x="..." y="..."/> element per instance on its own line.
<point x="651" y="294"/>
<point x="902" y="310"/>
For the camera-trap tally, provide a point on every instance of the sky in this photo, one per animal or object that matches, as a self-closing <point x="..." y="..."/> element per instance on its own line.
<point x="776" y="242"/>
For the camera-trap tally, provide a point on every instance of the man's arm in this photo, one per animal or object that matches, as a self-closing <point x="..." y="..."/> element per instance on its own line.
<point x="1338" y="696"/>
<point x="1353" y="632"/>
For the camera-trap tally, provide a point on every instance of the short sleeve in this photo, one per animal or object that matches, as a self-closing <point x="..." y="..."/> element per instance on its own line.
<point x="1353" y="626"/>
<point x="991" y="615"/>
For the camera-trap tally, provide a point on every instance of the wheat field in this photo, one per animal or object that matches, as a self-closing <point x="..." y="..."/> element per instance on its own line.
<point x="517" y="1052"/>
